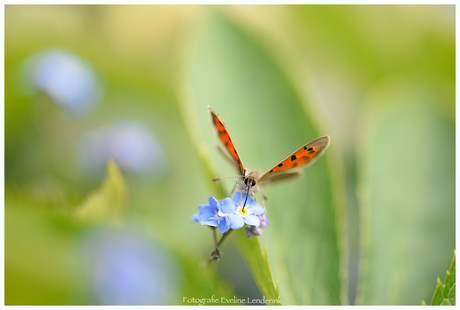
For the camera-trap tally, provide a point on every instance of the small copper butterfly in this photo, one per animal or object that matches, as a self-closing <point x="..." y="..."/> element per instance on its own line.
<point x="289" y="168"/>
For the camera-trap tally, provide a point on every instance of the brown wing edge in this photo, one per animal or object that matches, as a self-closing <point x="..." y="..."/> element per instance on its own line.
<point x="287" y="176"/>
<point x="323" y="142"/>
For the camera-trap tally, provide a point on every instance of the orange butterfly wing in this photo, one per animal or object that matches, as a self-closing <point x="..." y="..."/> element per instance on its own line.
<point x="225" y="138"/>
<point x="303" y="157"/>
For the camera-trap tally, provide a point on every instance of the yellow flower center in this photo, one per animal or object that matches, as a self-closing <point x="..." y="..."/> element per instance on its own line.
<point x="243" y="211"/>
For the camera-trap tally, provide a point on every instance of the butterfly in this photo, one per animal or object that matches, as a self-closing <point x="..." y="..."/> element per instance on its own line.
<point x="289" y="168"/>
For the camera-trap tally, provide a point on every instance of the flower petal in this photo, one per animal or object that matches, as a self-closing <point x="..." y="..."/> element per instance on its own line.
<point x="211" y="222"/>
<point x="207" y="208"/>
<point x="236" y="197"/>
<point x="249" y="201"/>
<point x="252" y="220"/>
<point x="256" y="209"/>
<point x="195" y="217"/>
<point x="235" y="220"/>
<point x="228" y="206"/>
<point x="206" y="212"/>
<point x="214" y="203"/>
<point x="264" y="222"/>
<point x="223" y="225"/>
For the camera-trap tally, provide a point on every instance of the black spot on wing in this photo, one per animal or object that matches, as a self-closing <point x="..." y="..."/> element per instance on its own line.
<point x="293" y="157"/>
<point x="306" y="148"/>
<point x="280" y="165"/>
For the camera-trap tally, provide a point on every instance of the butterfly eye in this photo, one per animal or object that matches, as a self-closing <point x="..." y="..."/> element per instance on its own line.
<point x="250" y="182"/>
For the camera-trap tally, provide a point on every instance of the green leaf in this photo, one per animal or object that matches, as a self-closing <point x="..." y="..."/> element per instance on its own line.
<point x="452" y="294"/>
<point x="109" y="202"/>
<point x="406" y="191"/>
<point x="444" y="294"/>
<point x="257" y="259"/>
<point x="202" y="284"/>
<point x="233" y="73"/>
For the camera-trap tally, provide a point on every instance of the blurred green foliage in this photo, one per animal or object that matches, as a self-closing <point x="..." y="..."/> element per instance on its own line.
<point x="372" y="222"/>
<point x="109" y="203"/>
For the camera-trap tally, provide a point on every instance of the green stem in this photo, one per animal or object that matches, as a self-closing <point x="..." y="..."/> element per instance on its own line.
<point x="223" y="237"/>
<point x="215" y="236"/>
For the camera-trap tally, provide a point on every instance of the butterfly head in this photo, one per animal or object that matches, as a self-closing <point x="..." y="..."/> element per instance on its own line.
<point x="249" y="182"/>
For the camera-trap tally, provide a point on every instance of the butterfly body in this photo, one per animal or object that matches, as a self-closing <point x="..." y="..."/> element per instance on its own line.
<point x="249" y="182"/>
<point x="287" y="169"/>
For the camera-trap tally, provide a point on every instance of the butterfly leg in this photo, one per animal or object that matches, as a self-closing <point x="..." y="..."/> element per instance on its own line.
<point x="239" y="202"/>
<point x="263" y="197"/>
<point x="233" y="190"/>
<point x="263" y="204"/>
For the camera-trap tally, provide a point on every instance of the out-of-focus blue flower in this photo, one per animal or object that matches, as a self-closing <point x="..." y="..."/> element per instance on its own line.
<point x="124" y="268"/>
<point x="67" y="79"/>
<point x="133" y="147"/>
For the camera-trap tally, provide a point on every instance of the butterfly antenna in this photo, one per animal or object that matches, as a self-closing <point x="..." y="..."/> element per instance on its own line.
<point x="235" y="176"/>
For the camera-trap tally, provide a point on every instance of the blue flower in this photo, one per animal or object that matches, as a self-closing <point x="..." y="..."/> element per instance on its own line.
<point x="214" y="214"/>
<point x="229" y="213"/>
<point x="249" y="213"/>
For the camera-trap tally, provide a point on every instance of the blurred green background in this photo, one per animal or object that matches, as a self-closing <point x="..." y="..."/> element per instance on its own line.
<point x="372" y="222"/>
